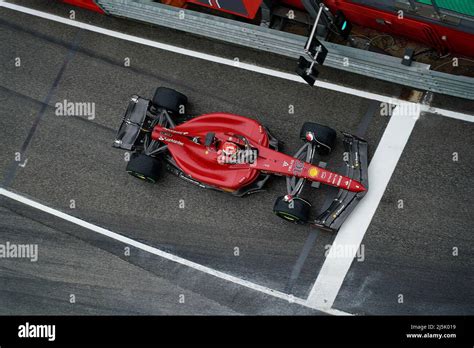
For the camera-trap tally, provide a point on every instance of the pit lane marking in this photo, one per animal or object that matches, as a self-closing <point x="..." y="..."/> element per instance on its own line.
<point x="232" y="63"/>
<point x="383" y="164"/>
<point x="131" y="242"/>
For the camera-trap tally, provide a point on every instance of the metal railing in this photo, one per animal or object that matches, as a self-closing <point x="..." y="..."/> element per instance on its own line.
<point x="345" y="58"/>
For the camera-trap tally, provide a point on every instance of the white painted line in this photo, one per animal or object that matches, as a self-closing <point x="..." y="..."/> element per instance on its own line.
<point x="447" y="113"/>
<point x="225" y="61"/>
<point x="349" y="237"/>
<point x="160" y="253"/>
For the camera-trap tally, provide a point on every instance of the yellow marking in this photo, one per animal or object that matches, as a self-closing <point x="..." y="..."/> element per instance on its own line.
<point x="313" y="172"/>
<point x="207" y="152"/>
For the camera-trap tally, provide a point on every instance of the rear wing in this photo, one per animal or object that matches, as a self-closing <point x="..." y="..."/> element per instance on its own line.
<point x="131" y="127"/>
<point x="345" y="201"/>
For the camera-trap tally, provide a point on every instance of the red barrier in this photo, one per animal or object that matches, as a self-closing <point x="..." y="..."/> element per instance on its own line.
<point x="88" y="4"/>
<point x="294" y="3"/>
<point x="242" y="8"/>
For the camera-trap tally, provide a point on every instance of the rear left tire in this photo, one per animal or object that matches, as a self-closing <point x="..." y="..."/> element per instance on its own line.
<point x="144" y="167"/>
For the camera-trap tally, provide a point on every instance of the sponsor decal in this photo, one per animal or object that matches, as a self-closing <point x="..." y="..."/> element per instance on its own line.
<point x="192" y="181"/>
<point x="242" y="179"/>
<point x="341" y="208"/>
<point x="313" y="172"/>
<point x="169" y="140"/>
<point x="176" y="132"/>
<point x="298" y="167"/>
<point x="290" y="168"/>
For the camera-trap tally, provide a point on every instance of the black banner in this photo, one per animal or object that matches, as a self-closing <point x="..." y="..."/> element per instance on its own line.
<point x="419" y="330"/>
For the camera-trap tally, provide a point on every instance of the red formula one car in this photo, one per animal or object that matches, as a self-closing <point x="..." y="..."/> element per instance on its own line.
<point x="237" y="154"/>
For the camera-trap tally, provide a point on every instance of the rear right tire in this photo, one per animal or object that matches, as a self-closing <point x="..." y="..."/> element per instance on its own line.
<point x="170" y="100"/>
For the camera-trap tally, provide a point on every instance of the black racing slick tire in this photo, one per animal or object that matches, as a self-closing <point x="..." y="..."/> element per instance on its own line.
<point x="323" y="136"/>
<point x="144" y="167"/>
<point x="296" y="210"/>
<point x="170" y="100"/>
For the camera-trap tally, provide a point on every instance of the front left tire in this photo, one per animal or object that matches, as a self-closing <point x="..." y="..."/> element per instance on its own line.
<point x="323" y="136"/>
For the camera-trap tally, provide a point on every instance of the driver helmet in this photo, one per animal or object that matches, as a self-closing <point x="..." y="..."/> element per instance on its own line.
<point x="227" y="152"/>
<point x="229" y="148"/>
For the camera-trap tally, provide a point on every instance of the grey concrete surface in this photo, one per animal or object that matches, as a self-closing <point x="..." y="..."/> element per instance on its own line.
<point x="71" y="158"/>
<point x="79" y="273"/>
<point x="422" y="249"/>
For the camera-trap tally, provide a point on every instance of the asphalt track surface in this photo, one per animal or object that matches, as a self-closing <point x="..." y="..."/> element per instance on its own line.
<point x="408" y="250"/>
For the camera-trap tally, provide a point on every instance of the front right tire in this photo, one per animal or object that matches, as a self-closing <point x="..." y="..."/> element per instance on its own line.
<point x="295" y="210"/>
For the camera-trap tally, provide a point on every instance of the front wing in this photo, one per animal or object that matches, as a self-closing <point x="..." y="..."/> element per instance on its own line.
<point x="345" y="201"/>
